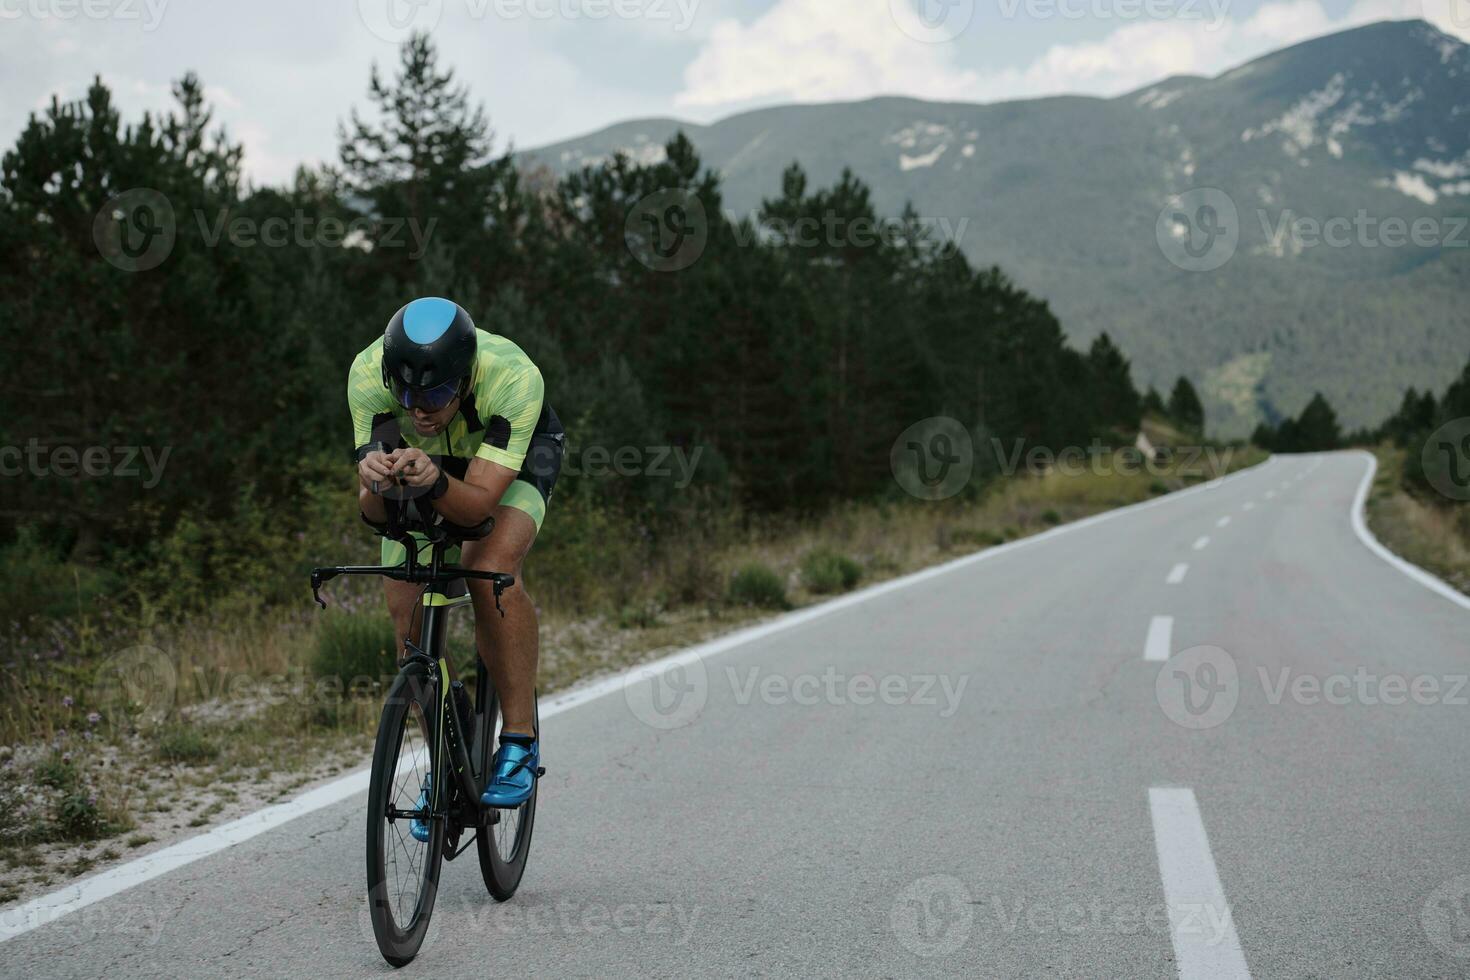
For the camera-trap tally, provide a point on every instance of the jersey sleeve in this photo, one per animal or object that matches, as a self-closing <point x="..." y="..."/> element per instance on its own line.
<point x="367" y="399"/>
<point x="516" y="407"/>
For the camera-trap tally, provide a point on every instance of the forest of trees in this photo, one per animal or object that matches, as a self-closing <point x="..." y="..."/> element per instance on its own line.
<point x="793" y="366"/>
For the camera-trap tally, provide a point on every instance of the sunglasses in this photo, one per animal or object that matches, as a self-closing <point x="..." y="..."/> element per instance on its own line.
<point x="428" y="399"/>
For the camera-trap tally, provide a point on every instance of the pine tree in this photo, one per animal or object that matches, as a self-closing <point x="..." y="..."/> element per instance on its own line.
<point x="1185" y="408"/>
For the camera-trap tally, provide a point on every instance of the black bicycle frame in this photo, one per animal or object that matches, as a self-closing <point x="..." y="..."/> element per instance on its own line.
<point x="429" y="653"/>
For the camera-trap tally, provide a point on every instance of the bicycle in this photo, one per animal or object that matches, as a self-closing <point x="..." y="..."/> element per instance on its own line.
<point x="421" y="749"/>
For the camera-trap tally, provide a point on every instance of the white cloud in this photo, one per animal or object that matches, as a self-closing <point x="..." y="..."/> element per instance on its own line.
<point x="815" y="50"/>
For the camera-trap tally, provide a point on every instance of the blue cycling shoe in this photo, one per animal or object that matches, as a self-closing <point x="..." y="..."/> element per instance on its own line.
<point x="514" y="775"/>
<point x="419" y="829"/>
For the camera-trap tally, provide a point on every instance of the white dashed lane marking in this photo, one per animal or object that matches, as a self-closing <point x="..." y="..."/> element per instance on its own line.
<point x="1202" y="542"/>
<point x="1200" y="925"/>
<point x="1160" y="636"/>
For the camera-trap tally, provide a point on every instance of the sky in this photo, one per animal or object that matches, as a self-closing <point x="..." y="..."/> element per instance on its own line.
<point x="281" y="74"/>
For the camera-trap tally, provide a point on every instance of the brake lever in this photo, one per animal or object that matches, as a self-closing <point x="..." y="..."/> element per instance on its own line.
<point x="316" y="588"/>
<point x="500" y="583"/>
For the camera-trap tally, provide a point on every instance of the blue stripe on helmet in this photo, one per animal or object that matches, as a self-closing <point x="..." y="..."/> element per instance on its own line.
<point x="425" y="320"/>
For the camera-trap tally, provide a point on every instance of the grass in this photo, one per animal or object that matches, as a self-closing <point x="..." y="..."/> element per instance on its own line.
<point x="1432" y="533"/>
<point x="275" y="700"/>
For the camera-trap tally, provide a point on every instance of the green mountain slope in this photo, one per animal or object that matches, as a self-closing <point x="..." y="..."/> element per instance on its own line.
<point x="1359" y="128"/>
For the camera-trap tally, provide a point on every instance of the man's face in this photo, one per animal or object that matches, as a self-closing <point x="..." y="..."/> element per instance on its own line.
<point x="427" y="423"/>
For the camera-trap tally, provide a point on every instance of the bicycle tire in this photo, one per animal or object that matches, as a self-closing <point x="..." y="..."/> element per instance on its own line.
<point x="412" y="701"/>
<point x="502" y="861"/>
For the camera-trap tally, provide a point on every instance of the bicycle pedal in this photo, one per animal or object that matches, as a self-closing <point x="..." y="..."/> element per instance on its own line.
<point x="540" y="771"/>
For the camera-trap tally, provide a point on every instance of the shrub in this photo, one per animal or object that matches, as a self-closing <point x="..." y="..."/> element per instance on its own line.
<point x="970" y="536"/>
<point x="758" y="585"/>
<point x="1051" y="518"/>
<point x="186" y="745"/>
<point x="351" y="646"/>
<point x="824" y="571"/>
<point x="77" y="817"/>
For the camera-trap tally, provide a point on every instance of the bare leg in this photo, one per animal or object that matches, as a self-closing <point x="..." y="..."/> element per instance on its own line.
<point x="510" y="646"/>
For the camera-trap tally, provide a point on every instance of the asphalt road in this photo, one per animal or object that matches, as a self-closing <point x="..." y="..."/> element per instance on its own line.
<point x="982" y="773"/>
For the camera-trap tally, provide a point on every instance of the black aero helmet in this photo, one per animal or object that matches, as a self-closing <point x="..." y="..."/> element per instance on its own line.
<point x="428" y="350"/>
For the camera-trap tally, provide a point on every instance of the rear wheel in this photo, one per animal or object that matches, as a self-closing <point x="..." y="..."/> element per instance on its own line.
<point x="403" y="873"/>
<point x="505" y="842"/>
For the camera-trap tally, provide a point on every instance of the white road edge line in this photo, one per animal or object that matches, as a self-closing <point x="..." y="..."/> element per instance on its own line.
<point x="1160" y="638"/>
<point x="1360" y="527"/>
<point x="1177" y="573"/>
<point x="1200" y="924"/>
<point x="79" y="894"/>
<point x="1202" y="542"/>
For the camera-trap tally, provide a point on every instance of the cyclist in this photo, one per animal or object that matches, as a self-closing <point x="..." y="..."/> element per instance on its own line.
<point x="455" y="418"/>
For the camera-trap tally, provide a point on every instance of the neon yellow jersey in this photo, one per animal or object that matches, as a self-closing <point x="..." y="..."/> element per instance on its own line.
<point x="494" y="422"/>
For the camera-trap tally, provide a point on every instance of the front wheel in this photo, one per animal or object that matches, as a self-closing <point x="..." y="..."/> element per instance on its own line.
<point x="505" y="842"/>
<point x="402" y="872"/>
